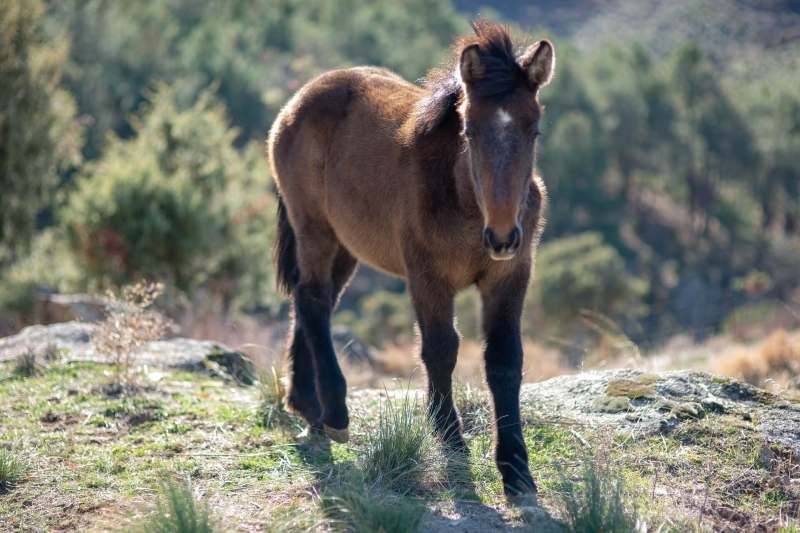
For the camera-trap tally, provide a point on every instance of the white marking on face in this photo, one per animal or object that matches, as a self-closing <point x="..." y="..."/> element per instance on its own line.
<point x="503" y="117"/>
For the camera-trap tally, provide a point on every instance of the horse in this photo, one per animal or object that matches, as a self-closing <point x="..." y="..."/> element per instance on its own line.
<point x="434" y="183"/>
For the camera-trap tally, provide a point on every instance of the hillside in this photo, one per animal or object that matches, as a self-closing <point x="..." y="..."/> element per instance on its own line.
<point x="747" y="37"/>
<point x="680" y="451"/>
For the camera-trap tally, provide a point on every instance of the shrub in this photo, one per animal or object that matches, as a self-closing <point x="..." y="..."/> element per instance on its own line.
<point x="582" y="272"/>
<point x="177" y="202"/>
<point x="129" y="325"/>
<point x="49" y="262"/>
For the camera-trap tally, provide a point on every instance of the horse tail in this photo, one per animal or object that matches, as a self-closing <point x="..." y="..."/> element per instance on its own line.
<point x="284" y="252"/>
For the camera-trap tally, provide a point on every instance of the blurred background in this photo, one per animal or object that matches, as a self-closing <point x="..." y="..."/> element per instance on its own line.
<point x="132" y="140"/>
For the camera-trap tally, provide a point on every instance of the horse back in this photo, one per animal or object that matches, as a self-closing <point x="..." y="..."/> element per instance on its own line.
<point x="339" y="158"/>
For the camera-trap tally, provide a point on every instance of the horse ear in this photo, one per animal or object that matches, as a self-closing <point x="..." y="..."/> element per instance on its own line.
<point x="470" y="65"/>
<point x="539" y="63"/>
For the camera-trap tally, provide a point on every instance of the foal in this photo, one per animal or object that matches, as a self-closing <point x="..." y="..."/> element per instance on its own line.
<point x="433" y="184"/>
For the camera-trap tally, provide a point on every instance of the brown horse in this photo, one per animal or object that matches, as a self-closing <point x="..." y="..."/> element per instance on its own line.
<point x="435" y="184"/>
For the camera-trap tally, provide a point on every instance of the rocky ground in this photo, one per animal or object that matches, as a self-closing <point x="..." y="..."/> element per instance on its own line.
<point x="692" y="451"/>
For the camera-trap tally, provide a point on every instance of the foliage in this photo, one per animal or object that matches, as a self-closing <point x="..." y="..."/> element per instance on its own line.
<point x="177" y="511"/>
<point x="258" y="61"/>
<point x="128" y="326"/>
<point x="178" y="202"/>
<point x="39" y="136"/>
<point x="49" y="262"/>
<point x="583" y="272"/>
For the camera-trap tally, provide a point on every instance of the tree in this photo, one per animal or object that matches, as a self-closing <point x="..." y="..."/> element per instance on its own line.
<point x="177" y="203"/>
<point x="39" y="136"/>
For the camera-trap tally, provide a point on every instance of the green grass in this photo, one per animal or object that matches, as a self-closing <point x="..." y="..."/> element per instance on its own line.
<point x="359" y="510"/>
<point x="597" y="501"/>
<point x="26" y="364"/>
<point x="400" y="449"/>
<point x="97" y="461"/>
<point x="177" y="511"/>
<point x="12" y="468"/>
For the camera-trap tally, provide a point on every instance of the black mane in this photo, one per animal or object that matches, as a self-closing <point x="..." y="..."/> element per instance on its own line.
<point x="502" y="74"/>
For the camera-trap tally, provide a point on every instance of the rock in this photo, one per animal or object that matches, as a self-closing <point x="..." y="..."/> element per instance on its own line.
<point x="73" y="339"/>
<point x="631" y="401"/>
<point x="350" y="347"/>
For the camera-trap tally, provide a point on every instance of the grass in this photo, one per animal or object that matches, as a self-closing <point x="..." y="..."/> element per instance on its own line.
<point x="272" y="389"/>
<point x="96" y="461"/>
<point x="11" y="470"/>
<point x="400" y="450"/>
<point x="26" y="364"/>
<point x="177" y="511"/>
<point x="598" y="501"/>
<point x="357" y="510"/>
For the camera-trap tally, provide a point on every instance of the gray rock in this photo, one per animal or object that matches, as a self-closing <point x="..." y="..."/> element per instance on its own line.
<point x="680" y="396"/>
<point x="73" y="339"/>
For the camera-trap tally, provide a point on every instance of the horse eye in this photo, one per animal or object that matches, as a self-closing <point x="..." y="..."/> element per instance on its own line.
<point x="536" y="135"/>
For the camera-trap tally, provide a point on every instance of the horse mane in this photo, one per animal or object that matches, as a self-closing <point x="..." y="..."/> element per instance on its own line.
<point x="443" y="85"/>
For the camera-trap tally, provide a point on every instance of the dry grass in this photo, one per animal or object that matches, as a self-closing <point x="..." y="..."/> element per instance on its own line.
<point x="540" y="363"/>
<point x="772" y="365"/>
<point x="129" y="325"/>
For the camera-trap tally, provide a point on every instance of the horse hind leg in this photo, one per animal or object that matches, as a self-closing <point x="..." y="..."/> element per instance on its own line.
<point x="302" y="395"/>
<point x="315" y="295"/>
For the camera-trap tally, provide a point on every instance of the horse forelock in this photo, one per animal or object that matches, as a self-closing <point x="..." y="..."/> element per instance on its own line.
<point x="501" y="75"/>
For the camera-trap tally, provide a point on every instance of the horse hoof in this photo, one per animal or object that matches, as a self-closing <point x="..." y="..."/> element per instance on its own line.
<point x="525" y="499"/>
<point x="337" y="435"/>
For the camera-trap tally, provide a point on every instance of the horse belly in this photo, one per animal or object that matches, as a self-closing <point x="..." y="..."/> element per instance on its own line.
<point x="369" y="236"/>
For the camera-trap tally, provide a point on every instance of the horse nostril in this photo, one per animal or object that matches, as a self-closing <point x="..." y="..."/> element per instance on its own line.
<point x="514" y="239"/>
<point x="509" y="244"/>
<point x="489" y="239"/>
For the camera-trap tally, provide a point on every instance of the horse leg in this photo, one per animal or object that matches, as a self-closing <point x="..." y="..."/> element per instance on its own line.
<point x="302" y="396"/>
<point x="433" y="304"/>
<point x="315" y="295"/>
<point x="502" y="310"/>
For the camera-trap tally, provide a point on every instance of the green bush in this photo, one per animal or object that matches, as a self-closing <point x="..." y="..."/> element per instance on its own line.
<point x="583" y="273"/>
<point x="49" y="262"/>
<point x="178" y="203"/>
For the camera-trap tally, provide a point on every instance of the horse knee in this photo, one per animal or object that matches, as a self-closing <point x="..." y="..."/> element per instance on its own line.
<point x="440" y="351"/>
<point x="313" y="303"/>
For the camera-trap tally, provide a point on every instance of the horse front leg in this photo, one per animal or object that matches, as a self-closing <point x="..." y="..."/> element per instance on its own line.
<point x="433" y="304"/>
<point x="502" y="309"/>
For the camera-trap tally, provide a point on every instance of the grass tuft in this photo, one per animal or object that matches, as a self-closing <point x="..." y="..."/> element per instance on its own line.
<point x="474" y="408"/>
<point x="11" y="470"/>
<point x="177" y="511"/>
<point x="597" y="501"/>
<point x="358" y="510"/>
<point x="401" y="448"/>
<point x="25" y="363"/>
<point x="272" y="390"/>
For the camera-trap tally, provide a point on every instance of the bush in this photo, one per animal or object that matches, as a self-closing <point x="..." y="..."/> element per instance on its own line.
<point x="50" y="262"/>
<point x="179" y="203"/>
<point x="582" y="272"/>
